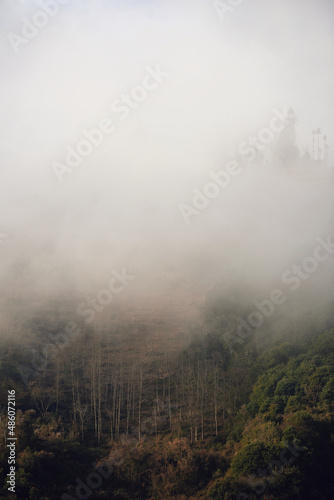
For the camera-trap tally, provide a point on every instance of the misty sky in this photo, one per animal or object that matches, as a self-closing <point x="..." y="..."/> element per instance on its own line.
<point x="120" y="205"/>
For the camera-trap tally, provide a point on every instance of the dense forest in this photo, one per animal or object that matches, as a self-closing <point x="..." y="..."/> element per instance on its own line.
<point x="218" y="418"/>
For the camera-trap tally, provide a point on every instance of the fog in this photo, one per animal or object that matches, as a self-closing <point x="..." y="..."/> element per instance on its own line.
<point x="212" y="83"/>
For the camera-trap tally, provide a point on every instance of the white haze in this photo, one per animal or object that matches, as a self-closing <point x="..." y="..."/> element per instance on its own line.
<point x="119" y="208"/>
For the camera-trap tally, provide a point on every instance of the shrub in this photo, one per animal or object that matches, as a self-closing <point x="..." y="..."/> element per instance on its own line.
<point x="252" y="457"/>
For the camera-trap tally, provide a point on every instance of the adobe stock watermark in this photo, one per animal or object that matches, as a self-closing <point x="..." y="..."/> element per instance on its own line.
<point x="104" y="296"/>
<point x="275" y="467"/>
<point x="31" y="27"/>
<point x="255" y="144"/>
<point x="94" y="480"/>
<point x="226" y="7"/>
<point x="293" y="277"/>
<point x="123" y="106"/>
<point x="117" y="283"/>
<point x="249" y="150"/>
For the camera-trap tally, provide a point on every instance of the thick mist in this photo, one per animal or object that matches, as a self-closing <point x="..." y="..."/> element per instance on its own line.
<point x="166" y="94"/>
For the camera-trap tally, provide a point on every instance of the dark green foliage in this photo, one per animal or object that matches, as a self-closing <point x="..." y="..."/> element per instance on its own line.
<point x="253" y="457"/>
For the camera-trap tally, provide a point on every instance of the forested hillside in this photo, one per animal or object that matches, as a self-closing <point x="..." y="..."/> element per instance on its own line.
<point x="166" y="250"/>
<point x="216" y="418"/>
